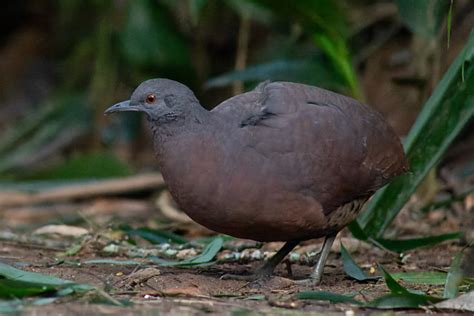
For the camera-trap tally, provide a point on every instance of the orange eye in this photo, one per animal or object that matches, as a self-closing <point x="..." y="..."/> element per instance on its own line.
<point x="151" y="98"/>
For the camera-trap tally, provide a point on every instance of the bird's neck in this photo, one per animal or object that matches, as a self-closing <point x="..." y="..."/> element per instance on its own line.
<point x="167" y="128"/>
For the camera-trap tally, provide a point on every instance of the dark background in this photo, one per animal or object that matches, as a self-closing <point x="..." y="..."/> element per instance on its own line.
<point x="63" y="62"/>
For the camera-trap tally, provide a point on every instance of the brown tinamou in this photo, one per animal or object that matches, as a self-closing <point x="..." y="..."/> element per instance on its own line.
<point x="284" y="162"/>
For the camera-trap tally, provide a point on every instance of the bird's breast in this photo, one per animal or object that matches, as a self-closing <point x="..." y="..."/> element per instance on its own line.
<point x="237" y="192"/>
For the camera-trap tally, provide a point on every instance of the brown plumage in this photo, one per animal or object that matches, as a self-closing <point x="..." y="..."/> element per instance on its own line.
<point x="284" y="162"/>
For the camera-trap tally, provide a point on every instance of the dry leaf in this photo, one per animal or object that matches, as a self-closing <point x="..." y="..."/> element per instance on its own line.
<point x="63" y="230"/>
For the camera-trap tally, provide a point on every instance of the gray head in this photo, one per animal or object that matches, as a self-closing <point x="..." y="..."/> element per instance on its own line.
<point x="163" y="100"/>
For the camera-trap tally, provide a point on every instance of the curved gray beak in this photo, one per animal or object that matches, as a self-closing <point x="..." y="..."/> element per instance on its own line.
<point x="121" y="107"/>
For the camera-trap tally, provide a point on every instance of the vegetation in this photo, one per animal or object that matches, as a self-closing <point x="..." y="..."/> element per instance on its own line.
<point x="100" y="50"/>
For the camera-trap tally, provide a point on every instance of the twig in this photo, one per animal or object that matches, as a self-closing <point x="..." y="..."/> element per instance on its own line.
<point x="31" y="242"/>
<point x="166" y="204"/>
<point x="242" y="51"/>
<point x="93" y="211"/>
<point x="81" y="191"/>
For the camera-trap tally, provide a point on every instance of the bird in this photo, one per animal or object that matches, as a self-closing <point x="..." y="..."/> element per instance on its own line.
<point x="283" y="162"/>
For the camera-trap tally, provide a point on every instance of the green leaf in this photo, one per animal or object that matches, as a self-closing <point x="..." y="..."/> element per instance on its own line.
<point x="154" y="236"/>
<point x="327" y="296"/>
<point x="325" y="16"/>
<point x="19" y="289"/>
<point x="454" y="278"/>
<point x="405" y="300"/>
<point x="148" y="38"/>
<point x="423" y="17"/>
<point x="12" y="273"/>
<point x="208" y="253"/>
<point x="19" y="283"/>
<point x="424" y="277"/>
<point x="402" y="245"/>
<point x="325" y="23"/>
<point x="338" y="53"/>
<point x="357" y="231"/>
<point x="352" y="269"/>
<point x="26" y="127"/>
<point x="22" y="144"/>
<point x="394" y="286"/>
<point x="443" y="116"/>
<point x="399" y="296"/>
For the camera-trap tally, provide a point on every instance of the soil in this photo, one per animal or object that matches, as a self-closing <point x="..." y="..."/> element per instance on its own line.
<point x="192" y="291"/>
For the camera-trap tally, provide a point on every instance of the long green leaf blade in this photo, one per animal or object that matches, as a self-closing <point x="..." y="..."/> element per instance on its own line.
<point x="208" y="253"/>
<point x="12" y="273"/>
<point x="443" y="116"/>
<point x="352" y="269"/>
<point x="327" y="296"/>
<point x="422" y="277"/>
<point x="401" y="245"/>
<point x="406" y="300"/>
<point x="454" y="278"/>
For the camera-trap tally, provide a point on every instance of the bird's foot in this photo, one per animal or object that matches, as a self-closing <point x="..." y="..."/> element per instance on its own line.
<point x="308" y="282"/>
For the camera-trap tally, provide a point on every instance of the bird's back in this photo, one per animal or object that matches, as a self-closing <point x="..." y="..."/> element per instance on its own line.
<point x="351" y="150"/>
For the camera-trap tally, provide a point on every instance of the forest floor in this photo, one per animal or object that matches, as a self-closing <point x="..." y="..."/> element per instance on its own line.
<point x="128" y="284"/>
<point x="199" y="290"/>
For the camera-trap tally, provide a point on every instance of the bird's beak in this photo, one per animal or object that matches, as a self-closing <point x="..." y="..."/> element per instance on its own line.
<point x="121" y="107"/>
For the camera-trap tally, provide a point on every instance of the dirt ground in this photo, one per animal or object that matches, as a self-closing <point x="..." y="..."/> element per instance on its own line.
<point x="191" y="291"/>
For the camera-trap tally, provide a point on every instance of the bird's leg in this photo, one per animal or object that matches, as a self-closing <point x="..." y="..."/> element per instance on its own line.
<point x="318" y="270"/>
<point x="270" y="265"/>
<point x="266" y="269"/>
<point x="316" y="275"/>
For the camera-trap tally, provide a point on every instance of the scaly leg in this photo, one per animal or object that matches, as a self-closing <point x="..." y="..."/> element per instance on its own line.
<point x="318" y="270"/>
<point x="267" y="269"/>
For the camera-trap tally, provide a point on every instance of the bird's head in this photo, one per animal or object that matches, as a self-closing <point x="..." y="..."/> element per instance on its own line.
<point x="163" y="100"/>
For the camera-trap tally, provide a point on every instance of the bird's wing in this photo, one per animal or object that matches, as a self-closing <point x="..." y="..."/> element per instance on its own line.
<point x="246" y="108"/>
<point x="332" y="147"/>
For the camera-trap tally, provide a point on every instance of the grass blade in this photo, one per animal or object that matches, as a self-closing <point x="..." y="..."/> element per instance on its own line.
<point x="19" y="289"/>
<point x="424" y="277"/>
<point x="454" y="278"/>
<point x="406" y="300"/>
<point x="352" y="269"/>
<point x="402" y="245"/>
<point x="327" y="296"/>
<point x="12" y="273"/>
<point x="18" y="283"/>
<point x="154" y="236"/>
<point x="399" y="296"/>
<point x="394" y="286"/>
<point x="207" y="255"/>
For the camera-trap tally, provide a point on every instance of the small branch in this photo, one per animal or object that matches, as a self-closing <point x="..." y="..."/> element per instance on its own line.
<point x="84" y="190"/>
<point x="242" y="51"/>
<point x="168" y="208"/>
<point x="32" y="241"/>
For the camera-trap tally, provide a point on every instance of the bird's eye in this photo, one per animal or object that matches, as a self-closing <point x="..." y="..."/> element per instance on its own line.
<point x="151" y="98"/>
